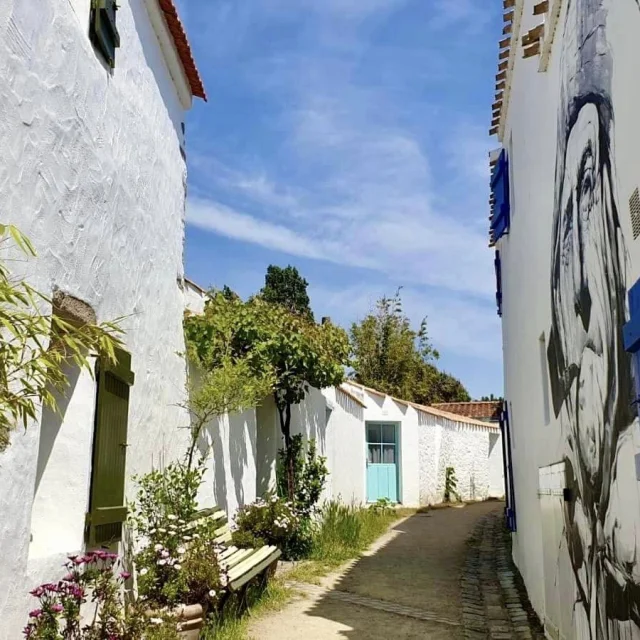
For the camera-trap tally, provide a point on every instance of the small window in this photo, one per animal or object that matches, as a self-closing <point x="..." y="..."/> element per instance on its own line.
<point x="103" y="31"/>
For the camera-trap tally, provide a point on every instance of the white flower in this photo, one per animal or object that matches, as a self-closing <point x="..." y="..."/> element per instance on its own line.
<point x="162" y="530"/>
<point x="224" y="580"/>
<point x="162" y="562"/>
<point x="144" y="571"/>
<point x="186" y="538"/>
<point x="155" y="620"/>
<point x="195" y="536"/>
<point x="212" y="594"/>
<point x="172" y="517"/>
<point x="158" y="547"/>
<point x="165" y="554"/>
<point x="152" y="531"/>
<point x="274" y="499"/>
<point x="177" y="566"/>
<point x="181" y="550"/>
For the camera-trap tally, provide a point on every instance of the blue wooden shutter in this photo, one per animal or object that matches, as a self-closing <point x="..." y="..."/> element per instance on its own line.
<point x="501" y="213"/>
<point x="107" y="509"/>
<point x="510" y="509"/>
<point x="631" y="336"/>
<point x="498" y="267"/>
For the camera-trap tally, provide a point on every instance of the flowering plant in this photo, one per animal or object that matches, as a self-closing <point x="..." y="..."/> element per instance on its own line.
<point x="178" y="561"/>
<point x="93" y="577"/>
<point x="268" y="521"/>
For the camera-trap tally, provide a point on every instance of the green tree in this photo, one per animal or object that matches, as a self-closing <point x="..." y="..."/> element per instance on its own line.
<point x="274" y="348"/>
<point x="492" y="398"/>
<point x="231" y="374"/>
<point x="36" y="347"/>
<point x="303" y="354"/>
<point x="287" y="288"/>
<point x="390" y="356"/>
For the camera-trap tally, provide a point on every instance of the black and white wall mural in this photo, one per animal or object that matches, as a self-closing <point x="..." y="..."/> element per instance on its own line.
<point x="590" y="373"/>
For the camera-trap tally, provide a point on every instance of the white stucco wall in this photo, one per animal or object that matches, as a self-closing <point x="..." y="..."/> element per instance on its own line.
<point x="91" y="171"/>
<point x="473" y="450"/>
<point x="538" y="123"/>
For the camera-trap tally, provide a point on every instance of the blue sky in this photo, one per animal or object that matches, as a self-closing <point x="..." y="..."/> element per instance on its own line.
<point x="349" y="138"/>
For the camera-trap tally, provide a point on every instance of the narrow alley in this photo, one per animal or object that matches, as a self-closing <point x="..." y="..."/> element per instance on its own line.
<point x="444" y="574"/>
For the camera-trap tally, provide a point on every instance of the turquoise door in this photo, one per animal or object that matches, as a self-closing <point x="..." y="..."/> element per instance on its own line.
<point x="382" y="462"/>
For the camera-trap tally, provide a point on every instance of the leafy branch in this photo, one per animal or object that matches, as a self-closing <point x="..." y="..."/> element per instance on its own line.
<point x="37" y="347"/>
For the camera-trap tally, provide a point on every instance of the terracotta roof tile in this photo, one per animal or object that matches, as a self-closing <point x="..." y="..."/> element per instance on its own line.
<point x="183" y="47"/>
<point x="479" y="410"/>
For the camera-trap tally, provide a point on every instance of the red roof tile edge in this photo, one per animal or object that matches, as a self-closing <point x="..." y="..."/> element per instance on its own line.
<point x="183" y="48"/>
<point x="476" y="409"/>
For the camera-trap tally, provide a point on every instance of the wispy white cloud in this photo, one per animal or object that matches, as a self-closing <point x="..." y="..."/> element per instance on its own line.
<point x="357" y="176"/>
<point x="213" y="216"/>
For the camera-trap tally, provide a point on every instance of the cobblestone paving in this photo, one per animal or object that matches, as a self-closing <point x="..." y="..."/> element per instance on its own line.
<point x="494" y="604"/>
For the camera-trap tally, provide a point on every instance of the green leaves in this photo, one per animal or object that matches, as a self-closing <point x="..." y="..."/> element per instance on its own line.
<point x="262" y="348"/>
<point x="287" y="288"/>
<point x="392" y="357"/>
<point x="36" y="348"/>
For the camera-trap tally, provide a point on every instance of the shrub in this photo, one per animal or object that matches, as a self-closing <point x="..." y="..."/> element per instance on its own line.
<point x="178" y="562"/>
<point x="272" y="521"/>
<point x="450" y="485"/>
<point x="309" y="475"/>
<point x="382" y="506"/>
<point x="92" y="578"/>
<point x="344" y="531"/>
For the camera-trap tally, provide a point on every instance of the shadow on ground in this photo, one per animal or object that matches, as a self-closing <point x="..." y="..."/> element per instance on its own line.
<point x="408" y="586"/>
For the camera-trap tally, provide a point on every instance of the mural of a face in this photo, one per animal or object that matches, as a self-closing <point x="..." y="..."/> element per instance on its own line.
<point x="590" y="372"/>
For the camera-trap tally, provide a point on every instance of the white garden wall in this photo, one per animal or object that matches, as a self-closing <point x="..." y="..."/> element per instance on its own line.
<point x="429" y="441"/>
<point x="91" y="171"/>
<point x="471" y="447"/>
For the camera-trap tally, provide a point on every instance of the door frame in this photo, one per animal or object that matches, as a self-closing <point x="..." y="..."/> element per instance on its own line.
<point x="398" y="427"/>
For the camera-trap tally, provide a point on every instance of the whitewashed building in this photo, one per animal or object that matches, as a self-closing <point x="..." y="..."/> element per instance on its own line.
<point x="566" y="223"/>
<point x="92" y="170"/>
<point x="376" y="447"/>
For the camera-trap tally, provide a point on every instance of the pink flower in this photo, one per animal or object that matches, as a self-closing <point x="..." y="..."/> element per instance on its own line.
<point x="36" y="613"/>
<point x="125" y="575"/>
<point x="57" y="608"/>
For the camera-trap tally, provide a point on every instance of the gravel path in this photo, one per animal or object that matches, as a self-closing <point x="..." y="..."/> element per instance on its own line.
<point x="424" y="579"/>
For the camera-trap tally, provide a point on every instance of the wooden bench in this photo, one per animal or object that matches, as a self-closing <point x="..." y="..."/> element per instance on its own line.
<point x="241" y="565"/>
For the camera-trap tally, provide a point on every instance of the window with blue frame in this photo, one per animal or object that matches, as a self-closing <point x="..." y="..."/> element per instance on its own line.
<point x="498" y="282"/>
<point x="501" y="213"/>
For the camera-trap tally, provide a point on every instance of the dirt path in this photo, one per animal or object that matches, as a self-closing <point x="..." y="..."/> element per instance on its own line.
<point x="406" y="586"/>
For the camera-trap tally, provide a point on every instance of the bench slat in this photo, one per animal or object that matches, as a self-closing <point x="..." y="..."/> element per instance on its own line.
<point x="228" y="552"/>
<point x="245" y="565"/>
<point x="223" y="538"/>
<point x="240" y="556"/>
<point x="236" y="583"/>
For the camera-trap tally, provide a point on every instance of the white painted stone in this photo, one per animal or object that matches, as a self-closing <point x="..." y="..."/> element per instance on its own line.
<point x="91" y="171"/>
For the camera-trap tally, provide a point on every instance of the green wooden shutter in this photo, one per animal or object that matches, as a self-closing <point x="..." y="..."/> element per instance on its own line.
<point x="103" y="31"/>
<point x="107" y="509"/>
